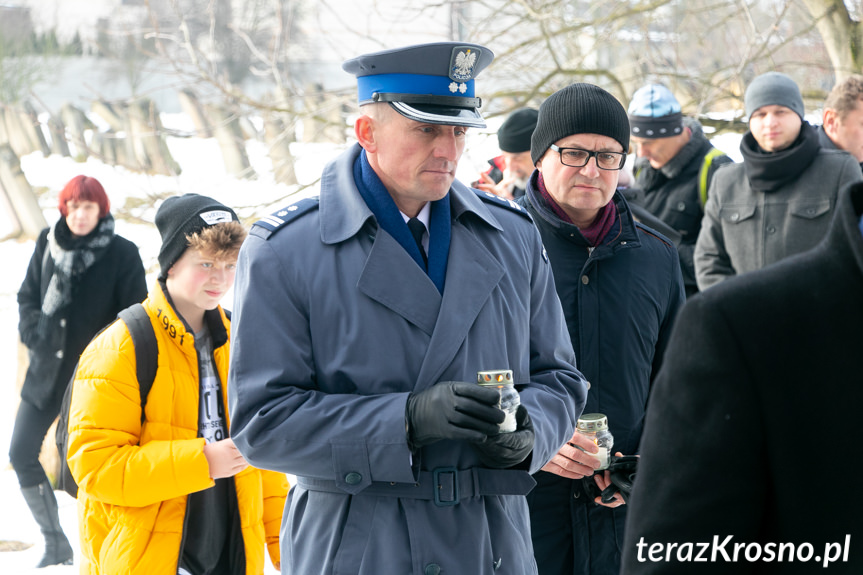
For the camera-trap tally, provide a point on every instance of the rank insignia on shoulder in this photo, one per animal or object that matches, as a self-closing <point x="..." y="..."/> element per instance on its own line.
<point x="270" y="224"/>
<point x="503" y="202"/>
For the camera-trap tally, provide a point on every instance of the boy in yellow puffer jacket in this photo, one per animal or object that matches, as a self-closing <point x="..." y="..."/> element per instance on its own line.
<point x="172" y="495"/>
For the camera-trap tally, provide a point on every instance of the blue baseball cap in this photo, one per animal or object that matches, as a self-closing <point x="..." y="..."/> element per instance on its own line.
<point x="430" y="83"/>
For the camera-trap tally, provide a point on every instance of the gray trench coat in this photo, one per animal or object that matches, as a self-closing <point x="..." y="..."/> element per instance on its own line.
<point x="334" y="325"/>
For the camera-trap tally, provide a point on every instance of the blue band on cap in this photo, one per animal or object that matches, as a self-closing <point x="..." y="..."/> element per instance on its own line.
<point x="410" y="84"/>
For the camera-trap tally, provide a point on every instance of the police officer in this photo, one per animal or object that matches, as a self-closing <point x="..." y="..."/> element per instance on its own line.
<point x="361" y="321"/>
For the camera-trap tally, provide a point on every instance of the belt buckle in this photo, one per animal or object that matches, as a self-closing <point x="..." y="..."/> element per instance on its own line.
<point x="449" y="476"/>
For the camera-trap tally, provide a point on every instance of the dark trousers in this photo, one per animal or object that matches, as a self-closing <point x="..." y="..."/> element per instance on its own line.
<point x="571" y="534"/>
<point x="31" y="425"/>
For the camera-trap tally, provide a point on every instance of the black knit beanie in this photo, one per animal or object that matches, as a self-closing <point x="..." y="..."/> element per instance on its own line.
<point x="182" y="216"/>
<point x="579" y="109"/>
<point x="514" y="134"/>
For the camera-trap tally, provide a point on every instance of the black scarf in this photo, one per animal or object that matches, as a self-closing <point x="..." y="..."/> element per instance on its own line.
<point x="72" y="257"/>
<point x="769" y="171"/>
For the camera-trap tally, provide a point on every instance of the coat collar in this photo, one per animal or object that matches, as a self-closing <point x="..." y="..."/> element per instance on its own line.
<point x="343" y="213"/>
<point x="472" y="275"/>
<point x="542" y="213"/>
<point x="177" y="328"/>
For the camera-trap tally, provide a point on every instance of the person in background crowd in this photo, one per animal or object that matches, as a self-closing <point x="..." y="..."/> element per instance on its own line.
<point x="80" y="276"/>
<point x="509" y="172"/>
<point x="168" y="493"/>
<point x="842" y="120"/>
<point x="675" y="165"/>
<point x="779" y="201"/>
<point x="364" y="383"/>
<point x="721" y="476"/>
<point x="621" y="289"/>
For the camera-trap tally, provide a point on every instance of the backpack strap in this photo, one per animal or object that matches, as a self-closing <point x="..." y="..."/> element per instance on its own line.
<point x="146" y="348"/>
<point x="704" y="173"/>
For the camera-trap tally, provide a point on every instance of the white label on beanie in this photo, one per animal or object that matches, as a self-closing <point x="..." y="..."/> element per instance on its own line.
<point x="216" y="217"/>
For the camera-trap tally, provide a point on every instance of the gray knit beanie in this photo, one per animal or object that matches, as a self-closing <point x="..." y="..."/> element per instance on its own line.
<point x="773" y="89"/>
<point x="579" y="109"/>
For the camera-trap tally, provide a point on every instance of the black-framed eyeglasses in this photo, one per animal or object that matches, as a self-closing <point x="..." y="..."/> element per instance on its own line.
<point x="577" y="158"/>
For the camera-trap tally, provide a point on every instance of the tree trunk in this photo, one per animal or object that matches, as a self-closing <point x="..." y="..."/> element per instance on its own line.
<point x="227" y="131"/>
<point x="842" y="36"/>
<point x="19" y="194"/>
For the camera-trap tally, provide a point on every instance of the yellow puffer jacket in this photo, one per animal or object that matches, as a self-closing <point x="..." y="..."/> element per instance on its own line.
<point x="134" y="479"/>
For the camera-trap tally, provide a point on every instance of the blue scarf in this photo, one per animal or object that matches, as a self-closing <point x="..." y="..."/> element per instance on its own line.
<point x="389" y="218"/>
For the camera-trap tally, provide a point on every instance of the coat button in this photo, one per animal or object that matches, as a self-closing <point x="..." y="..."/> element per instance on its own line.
<point x="62" y="322"/>
<point x="353" y="478"/>
<point x="681" y="207"/>
<point x="771" y="230"/>
<point x="735" y="217"/>
<point x="585" y="280"/>
<point x="59" y="354"/>
<point x="432" y="569"/>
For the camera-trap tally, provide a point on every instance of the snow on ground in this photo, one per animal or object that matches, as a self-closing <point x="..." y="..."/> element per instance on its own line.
<point x="203" y="173"/>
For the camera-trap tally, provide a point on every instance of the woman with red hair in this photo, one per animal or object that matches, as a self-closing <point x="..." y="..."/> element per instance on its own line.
<point x="80" y="276"/>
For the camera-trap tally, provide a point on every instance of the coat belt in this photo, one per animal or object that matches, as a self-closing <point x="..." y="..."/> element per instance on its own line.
<point x="445" y="485"/>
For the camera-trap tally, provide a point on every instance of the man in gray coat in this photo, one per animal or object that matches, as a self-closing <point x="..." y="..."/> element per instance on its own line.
<point x="361" y="321"/>
<point x="779" y="201"/>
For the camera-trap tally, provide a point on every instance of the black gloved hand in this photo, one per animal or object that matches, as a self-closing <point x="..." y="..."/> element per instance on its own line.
<point x="623" y="470"/>
<point x="452" y="410"/>
<point x="508" y="449"/>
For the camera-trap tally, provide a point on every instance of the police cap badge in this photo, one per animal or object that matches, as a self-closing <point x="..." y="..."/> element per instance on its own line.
<point x="431" y="83"/>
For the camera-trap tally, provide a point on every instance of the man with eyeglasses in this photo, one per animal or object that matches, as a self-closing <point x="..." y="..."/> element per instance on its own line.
<point x="621" y="288"/>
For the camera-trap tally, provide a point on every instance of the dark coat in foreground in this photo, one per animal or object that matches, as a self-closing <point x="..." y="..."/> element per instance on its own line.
<point x="752" y="425"/>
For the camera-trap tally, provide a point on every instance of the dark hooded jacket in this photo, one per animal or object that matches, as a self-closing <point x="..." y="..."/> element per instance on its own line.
<point x="672" y="193"/>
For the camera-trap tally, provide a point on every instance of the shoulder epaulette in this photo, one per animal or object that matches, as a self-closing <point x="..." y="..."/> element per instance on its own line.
<point x="268" y="225"/>
<point x="502" y="202"/>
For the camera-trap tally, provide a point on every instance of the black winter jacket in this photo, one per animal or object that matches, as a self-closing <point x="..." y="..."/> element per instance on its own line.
<point x="619" y="300"/>
<point x="752" y="362"/>
<point x="672" y="192"/>
<point x="114" y="282"/>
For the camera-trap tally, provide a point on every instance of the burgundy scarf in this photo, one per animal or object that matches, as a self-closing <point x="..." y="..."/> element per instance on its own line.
<point x="595" y="232"/>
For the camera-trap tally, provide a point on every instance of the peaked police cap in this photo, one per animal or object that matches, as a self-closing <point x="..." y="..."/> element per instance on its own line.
<point x="430" y="83"/>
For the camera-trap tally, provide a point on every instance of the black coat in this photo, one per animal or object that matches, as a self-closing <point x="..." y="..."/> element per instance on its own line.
<point x="672" y="194"/>
<point x="114" y="282"/>
<point x="754" y="421"/>
<point x="620" y="300"/>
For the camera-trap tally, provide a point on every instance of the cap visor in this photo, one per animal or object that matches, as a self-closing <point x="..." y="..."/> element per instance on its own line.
<point x="446" y="115"/>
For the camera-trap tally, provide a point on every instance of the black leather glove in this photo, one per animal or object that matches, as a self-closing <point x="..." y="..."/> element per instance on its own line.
<point x="508" y="449"/>
<point x="622" y="470"/>
<point x="452" y="410"/>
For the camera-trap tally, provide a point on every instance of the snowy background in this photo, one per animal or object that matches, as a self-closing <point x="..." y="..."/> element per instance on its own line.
<point x="202" y="173"/>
